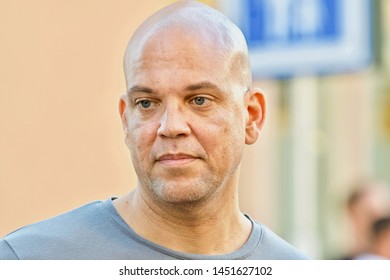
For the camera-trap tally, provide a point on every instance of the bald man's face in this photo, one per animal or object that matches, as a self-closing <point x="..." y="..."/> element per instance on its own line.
<point x="184" y="117"/>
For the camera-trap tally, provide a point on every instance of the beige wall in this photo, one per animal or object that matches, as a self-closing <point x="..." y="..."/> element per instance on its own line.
<point x="61" y="142"/>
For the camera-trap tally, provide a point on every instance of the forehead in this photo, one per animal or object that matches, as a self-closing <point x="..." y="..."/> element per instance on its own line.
<point x="176" y="43"/>
<point x="179" y="50"/>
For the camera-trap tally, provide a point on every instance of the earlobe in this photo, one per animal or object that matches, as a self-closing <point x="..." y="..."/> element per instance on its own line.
<point x="256" y="108"/>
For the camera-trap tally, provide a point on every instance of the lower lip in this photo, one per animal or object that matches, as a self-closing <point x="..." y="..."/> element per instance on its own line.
<point x="173" y="162"/>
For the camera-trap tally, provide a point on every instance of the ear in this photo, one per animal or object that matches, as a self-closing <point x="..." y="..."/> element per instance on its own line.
<point x="256" y="108"/>
<point x="122" y="110"/>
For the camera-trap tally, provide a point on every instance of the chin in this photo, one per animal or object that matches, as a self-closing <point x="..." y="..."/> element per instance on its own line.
<point x="179" y="193"/>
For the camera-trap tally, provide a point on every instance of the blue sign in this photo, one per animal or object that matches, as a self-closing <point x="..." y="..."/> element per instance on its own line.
<point x="293" y="37"/>
<point x="291" y="22"/>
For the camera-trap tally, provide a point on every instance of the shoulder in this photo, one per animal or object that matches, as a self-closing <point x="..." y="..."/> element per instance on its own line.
<point x="61" y="223"/>
<point x="6" y="251"/>
<point x="273" y="247"/>
<point x="38" y="240"/>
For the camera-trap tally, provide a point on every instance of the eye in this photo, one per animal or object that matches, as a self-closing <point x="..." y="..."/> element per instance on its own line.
<point x="199" y="100"/>
<point x="144" y="103"/>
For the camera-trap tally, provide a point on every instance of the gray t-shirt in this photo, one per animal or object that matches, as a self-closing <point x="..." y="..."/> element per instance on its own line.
<point x="96" y="231"/>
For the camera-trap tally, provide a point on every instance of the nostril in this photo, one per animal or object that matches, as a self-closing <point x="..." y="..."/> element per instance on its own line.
<point x="173" y="122"/>
<point x="174" y="129"/>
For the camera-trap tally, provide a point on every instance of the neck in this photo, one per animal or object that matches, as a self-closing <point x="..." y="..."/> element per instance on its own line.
<point x="213" y="227"/>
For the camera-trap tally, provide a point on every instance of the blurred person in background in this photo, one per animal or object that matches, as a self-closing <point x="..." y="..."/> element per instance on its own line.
<point x="368" y="202"/>
<point x="189" y="111"/>
<point x="380" y="241"/>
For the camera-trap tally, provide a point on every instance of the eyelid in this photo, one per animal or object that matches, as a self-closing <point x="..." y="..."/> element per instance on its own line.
<point x="205" y="96"/>
<point x="137" y="101"/>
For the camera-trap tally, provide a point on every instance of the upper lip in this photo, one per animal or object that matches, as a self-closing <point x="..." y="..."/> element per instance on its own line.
<point x="175" y="156"/>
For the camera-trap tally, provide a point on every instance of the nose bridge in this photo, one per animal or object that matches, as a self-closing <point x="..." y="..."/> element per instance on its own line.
<point x="173" y="121"/>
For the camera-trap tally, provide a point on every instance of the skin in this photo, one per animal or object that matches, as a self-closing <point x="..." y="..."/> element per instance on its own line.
<point x="371" y="205"/>
<point x="382" y="244"/>
<point x="187" y="115"/>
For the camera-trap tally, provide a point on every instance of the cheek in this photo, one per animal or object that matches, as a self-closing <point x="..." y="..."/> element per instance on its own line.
<point x="140" y="137"/>
<point x="224" y="134"/>
<point x="233" y="126"/>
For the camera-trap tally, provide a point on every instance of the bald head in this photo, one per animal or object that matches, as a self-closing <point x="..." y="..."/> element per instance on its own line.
<point x="190" y="23"/>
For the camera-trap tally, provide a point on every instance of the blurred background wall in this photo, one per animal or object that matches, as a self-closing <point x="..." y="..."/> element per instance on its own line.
<point x="61" y="140"/>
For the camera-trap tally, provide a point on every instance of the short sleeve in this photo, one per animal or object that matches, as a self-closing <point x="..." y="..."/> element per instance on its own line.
<point x="6" y="252"/>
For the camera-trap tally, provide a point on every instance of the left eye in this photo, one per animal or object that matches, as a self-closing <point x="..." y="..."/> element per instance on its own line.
<point x="199" y="100"/>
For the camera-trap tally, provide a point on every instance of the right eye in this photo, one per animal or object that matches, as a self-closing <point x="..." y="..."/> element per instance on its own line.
<point x="144" y="103"/>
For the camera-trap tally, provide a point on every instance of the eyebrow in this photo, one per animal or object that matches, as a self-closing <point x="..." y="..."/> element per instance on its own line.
<point x="202" y="85"/>
<point x="194" y="87"/>
<point x="140" y="89"/>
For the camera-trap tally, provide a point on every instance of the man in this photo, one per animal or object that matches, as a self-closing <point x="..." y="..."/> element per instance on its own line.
<point x="380" y="241"/>
<point x="188" y="112"/>
<point x="369" y="201"/>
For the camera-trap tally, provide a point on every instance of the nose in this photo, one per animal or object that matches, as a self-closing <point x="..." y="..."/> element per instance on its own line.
<point x="173" y="122"/>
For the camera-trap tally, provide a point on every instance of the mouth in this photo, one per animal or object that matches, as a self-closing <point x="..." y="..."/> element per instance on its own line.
<point x="176" y="159"/>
